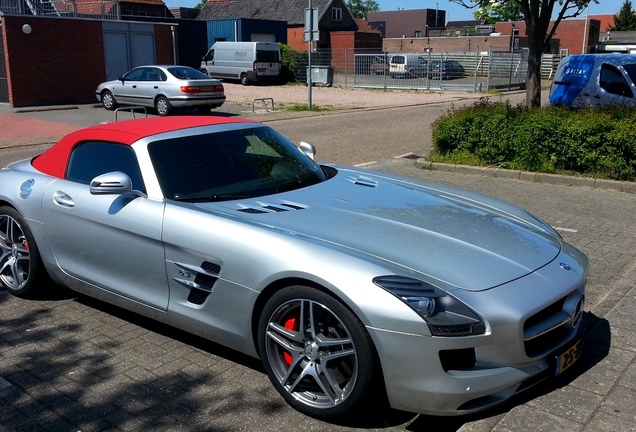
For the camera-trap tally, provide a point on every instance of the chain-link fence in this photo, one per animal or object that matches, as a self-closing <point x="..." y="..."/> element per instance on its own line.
<point x="472" y="71"/>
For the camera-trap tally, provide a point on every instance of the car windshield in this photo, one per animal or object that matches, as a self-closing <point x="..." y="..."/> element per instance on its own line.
<point x="241" y="163"/>
<point x="187" y="73"/>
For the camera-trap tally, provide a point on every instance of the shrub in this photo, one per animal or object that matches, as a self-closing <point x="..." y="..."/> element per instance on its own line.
<point x="291" y="63"/>
<point x="599" y="142"/>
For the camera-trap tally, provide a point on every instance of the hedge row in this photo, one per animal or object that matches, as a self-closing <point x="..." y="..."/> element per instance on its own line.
<point x="598" y="142"/>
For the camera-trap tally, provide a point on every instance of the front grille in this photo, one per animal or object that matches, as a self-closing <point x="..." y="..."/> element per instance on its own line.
<point x="548" y="328"/>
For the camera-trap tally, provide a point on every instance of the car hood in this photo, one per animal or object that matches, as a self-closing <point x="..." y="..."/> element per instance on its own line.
<point x="469" y="243"/>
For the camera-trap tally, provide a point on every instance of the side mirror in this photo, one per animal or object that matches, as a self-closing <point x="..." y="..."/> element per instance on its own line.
<point x="308" y="149"/>
<point x="121" y="78"/>
<point x="113" y="183"/>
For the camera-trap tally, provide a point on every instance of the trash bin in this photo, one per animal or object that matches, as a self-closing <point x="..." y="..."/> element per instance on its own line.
<point x="321" y="75"/>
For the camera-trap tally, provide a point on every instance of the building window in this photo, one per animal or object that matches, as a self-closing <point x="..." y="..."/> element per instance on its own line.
<point x="336" y="14"/>
<point x="155" y="14"/>
<point x="126" y="12"/>
<point x="142" y="13"/>
<point x="418" y="34"/>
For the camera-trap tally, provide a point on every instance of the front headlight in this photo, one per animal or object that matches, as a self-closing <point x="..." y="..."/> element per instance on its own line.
<point x="444" y="314"/>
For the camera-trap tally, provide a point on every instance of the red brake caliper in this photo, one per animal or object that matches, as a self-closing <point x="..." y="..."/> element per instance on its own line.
<point x="290" y="324"/>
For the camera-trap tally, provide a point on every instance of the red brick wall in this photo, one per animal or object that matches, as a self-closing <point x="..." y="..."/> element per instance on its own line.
<point x="569" y="34"/>
<point x="448" y="44"/>
<point x="62" y="60"/>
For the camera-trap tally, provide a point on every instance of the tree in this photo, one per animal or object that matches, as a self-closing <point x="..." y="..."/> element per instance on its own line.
<point x="359" y="8"/>
<point x="537" y="15"/>
<point x="625" y="20"/>
<point x="499" y="12"/>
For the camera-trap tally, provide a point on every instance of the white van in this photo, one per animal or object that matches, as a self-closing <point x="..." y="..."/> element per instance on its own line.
<point x="407" y="66"/>
<point x="591" y="80"/>
<point x="244" y="61"/>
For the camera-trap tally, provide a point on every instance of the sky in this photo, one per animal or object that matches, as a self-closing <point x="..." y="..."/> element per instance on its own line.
<point x="454" y="12"/>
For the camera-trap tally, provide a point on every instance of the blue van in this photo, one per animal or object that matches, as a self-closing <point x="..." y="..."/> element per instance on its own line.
<point x="591" y="80"/>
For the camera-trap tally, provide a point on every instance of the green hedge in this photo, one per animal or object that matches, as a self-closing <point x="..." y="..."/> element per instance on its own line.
<point x="598" y="142"/>
<point x="293" y="64"/>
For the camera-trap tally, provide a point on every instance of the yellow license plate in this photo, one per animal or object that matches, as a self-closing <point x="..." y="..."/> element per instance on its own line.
<point x="569" y="357"/>
<point x="207" y="89"/>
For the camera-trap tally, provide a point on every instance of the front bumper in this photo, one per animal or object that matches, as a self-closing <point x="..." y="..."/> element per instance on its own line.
<point x="530" y="323"/>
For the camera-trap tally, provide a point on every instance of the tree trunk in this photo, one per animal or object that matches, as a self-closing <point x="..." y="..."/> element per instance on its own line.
<point x="533" y="90"/>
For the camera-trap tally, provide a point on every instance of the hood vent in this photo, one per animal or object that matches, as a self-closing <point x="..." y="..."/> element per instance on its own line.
<point x="363" y="181"/>
<point x="269" y="208"/>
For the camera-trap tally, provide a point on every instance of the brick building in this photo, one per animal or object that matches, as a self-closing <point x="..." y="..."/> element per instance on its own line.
<point x="334" y="17"/>
<point x="407" y="23"/>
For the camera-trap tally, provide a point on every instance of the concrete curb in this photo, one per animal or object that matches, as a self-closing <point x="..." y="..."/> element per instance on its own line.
<point x="622" y="186"/>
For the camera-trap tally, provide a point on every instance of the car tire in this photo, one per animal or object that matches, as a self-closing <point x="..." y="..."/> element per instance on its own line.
<point x="295" y="353"/>
<point x="22" y="272"/>
<point x="108" y="100"/>
<point x="163" y="107"/>
<point x="244" y="79"/>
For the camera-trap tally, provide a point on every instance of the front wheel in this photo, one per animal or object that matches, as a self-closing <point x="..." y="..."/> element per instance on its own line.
<point x="163" y="107"/>
<point x="108" y="100"/>
<point x="22" y="272"/>
<point x="317" y="353"/>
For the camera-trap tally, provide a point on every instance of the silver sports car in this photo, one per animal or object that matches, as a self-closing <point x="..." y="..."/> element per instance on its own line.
<point x="163" y="88"/>
<point x="351" y="286"/>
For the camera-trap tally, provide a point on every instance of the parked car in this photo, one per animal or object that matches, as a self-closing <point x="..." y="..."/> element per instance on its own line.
<point x="591" y="80"/>
<point x="380" y="65"/>
<point x="444" y="69"/>
<point x="164" y="88"/>
<point x="348" y="284"/>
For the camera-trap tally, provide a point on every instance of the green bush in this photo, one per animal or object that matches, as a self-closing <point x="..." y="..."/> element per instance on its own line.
<point x="292" y="62"/>
<point x="598" y="142"/>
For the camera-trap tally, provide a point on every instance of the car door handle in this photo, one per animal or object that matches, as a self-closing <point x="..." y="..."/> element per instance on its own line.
<point x="63" y="199"/>
<point x="156" y="87"/>
<point x="596" y="96"/>
<point x="135" y="86"/>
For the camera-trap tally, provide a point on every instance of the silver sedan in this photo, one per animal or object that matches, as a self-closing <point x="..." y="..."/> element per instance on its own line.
<point x="163" y="88"/>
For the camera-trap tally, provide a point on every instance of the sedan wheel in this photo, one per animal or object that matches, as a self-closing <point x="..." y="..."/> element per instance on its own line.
<point x="317" y="353"/>
<point x="108" y="100"/>
<point x="163" y="107"/>
<point x="21" y="269"/>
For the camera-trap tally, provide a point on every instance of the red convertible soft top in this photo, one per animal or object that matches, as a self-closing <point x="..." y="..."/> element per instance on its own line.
<point x="54" y="161"/>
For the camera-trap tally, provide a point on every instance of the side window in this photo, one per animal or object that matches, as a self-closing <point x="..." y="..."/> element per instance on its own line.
<point x="336" y="14"/>
<point x="613" y="81"/>
<point x="209" y="56"/>
<point x="92" y="158"/>
<point x="134" y="75"/>
<point x="151" y="74"/>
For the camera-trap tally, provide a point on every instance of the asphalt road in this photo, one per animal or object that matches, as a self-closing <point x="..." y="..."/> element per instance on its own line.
<point x="72" y="363"/>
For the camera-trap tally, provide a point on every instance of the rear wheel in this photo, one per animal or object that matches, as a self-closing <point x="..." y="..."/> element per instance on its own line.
<point x="163" y="107"/>
<point x="22" y="272"/>
<point x="108" y="100"/>
<point x="244" y="79"/>
<point x="317" y="353"/>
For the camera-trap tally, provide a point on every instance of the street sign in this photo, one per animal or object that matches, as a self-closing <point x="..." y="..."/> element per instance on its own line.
<point x="311" y="33"/>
